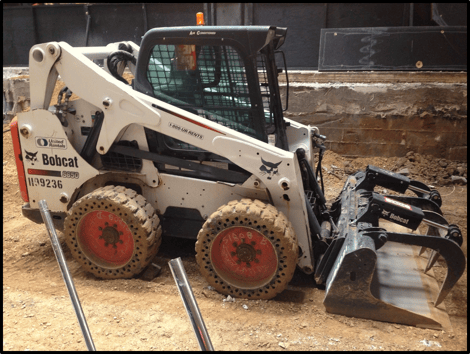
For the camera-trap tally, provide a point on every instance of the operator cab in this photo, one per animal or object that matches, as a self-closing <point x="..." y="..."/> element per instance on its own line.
<point x="225" y="74"/>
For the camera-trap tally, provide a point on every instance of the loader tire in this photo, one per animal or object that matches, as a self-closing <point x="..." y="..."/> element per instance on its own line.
<point x="247" y="249"/>
<point x="113" y="232"/>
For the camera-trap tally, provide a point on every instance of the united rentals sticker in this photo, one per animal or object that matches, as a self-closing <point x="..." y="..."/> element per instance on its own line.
<point x="51" y="143"/>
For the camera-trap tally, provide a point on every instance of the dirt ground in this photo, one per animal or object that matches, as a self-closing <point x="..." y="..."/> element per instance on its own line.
<point x="135" y="314"/>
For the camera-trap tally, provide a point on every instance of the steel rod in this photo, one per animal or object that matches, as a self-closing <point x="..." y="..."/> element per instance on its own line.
<point x="190" y="304"/>
<point x="88" y="21"/>
<point x="95" y="53"/>
<point x="417" y="189"/>
<point x="46" y="217"/>
<point x="435" y="224"/>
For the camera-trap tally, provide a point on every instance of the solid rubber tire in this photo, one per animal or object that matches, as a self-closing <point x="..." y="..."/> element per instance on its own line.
<point x="265" y="219"/>
<point x="134" y="210"/>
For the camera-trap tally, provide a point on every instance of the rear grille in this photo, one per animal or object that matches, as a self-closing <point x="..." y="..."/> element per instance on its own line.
<point x="115" y="161"/>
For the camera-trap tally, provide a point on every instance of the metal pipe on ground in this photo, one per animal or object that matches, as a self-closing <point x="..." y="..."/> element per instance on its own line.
<point x="46" y="217"/>
<point x="190" y="304"/>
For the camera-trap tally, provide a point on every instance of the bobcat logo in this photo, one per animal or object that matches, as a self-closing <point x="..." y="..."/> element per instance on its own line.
<point x="385" y="213"/>
<point x="269" y="167"/>
<point x="31" y="157"/>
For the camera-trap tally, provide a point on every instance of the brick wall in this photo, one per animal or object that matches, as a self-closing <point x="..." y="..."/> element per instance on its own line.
<point x="384" y="113"/>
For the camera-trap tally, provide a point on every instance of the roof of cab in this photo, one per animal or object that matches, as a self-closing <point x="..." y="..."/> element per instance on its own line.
<point x="253" y="38"/>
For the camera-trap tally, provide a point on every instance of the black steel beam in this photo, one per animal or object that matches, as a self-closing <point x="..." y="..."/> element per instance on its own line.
<point x="393" y="48"/>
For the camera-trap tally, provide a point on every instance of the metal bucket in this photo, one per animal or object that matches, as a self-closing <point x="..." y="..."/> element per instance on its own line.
<point x="387" y="285"/>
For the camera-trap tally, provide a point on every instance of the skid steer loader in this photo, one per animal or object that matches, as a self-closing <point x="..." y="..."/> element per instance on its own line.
<point x="197" y="147"/>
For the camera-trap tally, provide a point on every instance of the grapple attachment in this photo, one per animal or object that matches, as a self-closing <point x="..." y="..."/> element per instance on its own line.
<point x="378" y="273"/>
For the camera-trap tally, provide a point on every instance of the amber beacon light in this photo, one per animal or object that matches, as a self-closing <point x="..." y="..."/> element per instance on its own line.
<point x="200" y="19"/>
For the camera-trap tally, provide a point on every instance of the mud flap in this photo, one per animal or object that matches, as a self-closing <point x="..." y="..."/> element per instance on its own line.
<point x="387" y="285"/>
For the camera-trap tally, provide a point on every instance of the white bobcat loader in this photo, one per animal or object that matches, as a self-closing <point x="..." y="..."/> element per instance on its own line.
<point x="197" y="147"/>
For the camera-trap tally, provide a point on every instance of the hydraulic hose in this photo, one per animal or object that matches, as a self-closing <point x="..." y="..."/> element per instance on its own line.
<point x="311" y="177"/>
<point x="117" y="57"/>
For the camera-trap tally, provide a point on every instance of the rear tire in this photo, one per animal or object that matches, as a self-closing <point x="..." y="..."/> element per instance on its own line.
<point x="247" y="249"/>
<point x="113" y="232"/>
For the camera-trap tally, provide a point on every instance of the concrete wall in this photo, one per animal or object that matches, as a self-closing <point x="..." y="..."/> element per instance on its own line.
<point x="384" y="113"/>
<point x="16" y="97"/>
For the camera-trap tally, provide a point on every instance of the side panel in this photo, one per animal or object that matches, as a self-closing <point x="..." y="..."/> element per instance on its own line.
<point x="202" y="195"/>
<point x="299" y="136"/>
<point x="80" y="123"/>
<point x="54" y="169"/>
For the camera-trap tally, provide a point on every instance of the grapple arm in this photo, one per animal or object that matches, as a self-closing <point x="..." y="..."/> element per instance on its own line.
<point x="375" y="176"/>
<point x="372" y="272"/>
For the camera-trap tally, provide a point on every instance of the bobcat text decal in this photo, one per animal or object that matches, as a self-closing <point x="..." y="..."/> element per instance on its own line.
<point x="59" y="161"/>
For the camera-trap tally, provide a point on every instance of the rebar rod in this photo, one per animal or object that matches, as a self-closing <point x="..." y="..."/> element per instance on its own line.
<point x="190" y="304"/>
<point x="59" y="254"/>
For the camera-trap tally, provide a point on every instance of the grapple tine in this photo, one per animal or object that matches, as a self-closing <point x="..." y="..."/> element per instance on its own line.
<point x="445" y="289"/>
<point x="433" y="231"/>
<point x="432" y="260"/>
<point x="455" y="235"/>
<point x="423" y="249"/>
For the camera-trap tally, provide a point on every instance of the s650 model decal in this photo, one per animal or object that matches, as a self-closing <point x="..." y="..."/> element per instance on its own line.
<point x="70" y="174"/>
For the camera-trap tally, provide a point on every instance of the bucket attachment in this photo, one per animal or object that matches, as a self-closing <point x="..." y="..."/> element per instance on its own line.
<point x="377" y="273"/>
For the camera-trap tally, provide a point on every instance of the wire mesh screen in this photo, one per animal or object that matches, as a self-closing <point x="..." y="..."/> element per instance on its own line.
<point x="265" y="92"/>
<point x="116" y="161"/>
<point x="209" y="81"/>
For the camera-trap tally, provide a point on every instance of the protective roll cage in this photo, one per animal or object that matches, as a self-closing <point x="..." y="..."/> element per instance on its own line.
<point x="222" y="74"/>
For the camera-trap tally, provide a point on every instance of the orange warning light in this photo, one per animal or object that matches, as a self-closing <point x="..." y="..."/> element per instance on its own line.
<point x="200" y="19"/>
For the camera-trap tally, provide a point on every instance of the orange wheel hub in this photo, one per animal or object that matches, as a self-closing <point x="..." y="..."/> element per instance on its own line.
<point x="106" y="239"/>
<point x="243" y="257"/>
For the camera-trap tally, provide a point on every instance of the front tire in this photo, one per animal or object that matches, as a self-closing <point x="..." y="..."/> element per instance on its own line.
<point x="247" y="249"/>
<point x="113" y="232"/>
